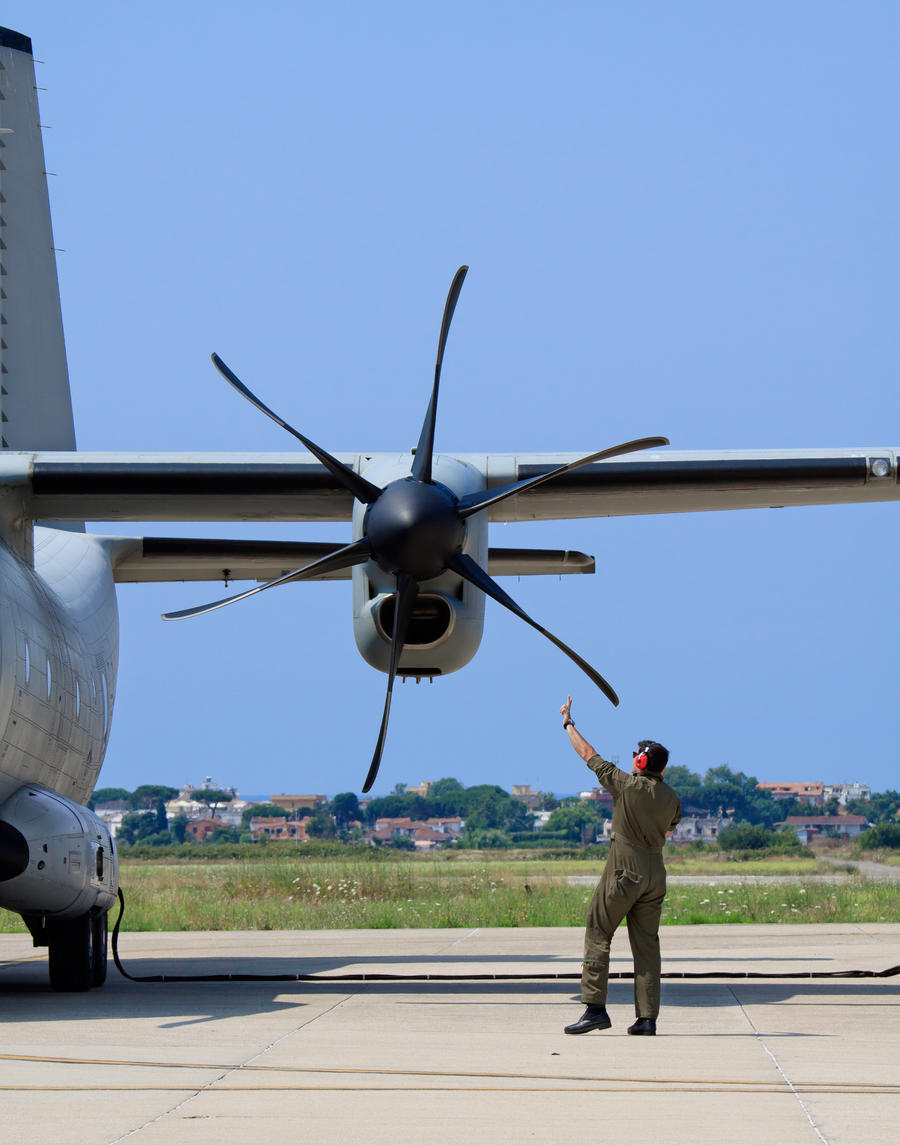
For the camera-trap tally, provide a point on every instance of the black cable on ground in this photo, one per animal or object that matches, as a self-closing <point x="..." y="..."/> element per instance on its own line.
<point x="891" y="972"/>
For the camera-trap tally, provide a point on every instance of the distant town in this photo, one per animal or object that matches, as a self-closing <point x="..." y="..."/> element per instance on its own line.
<point x="439" y="813"/>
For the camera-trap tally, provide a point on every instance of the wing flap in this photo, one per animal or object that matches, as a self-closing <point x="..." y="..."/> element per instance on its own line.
<point x="158" y="559"/>
<point x="538" y="562"/>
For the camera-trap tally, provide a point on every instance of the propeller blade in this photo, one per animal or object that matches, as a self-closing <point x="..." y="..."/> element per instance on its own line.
<point x="475" y="502"/>
<point x="407" y="591"/>
<point x="421" y="469"/>
<point x="343" y="558"/>
<point x="474" y="574"/>
<point x="361" y="489"/>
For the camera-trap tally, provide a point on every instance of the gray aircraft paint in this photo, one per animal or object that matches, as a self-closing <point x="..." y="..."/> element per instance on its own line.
<point x="58" y="620"/>
<point x="58" y="623"/>
<point x="35" y="405"/>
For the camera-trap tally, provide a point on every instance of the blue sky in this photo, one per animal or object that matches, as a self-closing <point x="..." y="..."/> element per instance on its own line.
<point x="680" y="220"/>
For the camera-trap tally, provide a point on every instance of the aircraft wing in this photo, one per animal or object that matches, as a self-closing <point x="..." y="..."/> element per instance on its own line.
<point x="694" y="482"/>
<point x="58" y="487"/>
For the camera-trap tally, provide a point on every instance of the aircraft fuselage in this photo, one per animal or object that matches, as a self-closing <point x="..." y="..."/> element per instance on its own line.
<point x="59" y="651"/>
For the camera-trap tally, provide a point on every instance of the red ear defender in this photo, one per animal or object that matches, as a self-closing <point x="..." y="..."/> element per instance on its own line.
<point x="640" y="761"/>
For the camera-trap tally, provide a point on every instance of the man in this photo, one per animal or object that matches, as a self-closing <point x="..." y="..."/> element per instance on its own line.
<point x="633" y="885"/>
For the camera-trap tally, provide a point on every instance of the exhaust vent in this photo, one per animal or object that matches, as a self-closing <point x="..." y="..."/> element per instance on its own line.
<point x="431" y="620"/>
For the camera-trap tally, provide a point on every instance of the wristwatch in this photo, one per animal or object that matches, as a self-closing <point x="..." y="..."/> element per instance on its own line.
<point x="567" y="722"/>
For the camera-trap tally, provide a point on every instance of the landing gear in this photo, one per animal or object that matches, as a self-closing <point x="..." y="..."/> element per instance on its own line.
<point x="78" y="952"/>
<point x="99" y="931"/>
<point x="70" y="953"/>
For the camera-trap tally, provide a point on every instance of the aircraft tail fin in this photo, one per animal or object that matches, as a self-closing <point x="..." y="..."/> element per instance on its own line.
<point x="35" y="402"/>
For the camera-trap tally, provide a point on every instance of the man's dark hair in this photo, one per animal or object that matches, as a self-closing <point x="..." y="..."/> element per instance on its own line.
<point x="657" y="755"/>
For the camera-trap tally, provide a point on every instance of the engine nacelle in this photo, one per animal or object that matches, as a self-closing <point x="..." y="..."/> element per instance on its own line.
<point x="448" y="617"/>
<point x="444" y="632"/>
<point x="57" y="859"/>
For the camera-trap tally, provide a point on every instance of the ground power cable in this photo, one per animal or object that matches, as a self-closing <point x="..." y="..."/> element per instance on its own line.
<point x="891" y="972"/>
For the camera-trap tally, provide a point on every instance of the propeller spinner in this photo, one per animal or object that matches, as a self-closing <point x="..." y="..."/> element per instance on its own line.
<point x="414" y="528"/>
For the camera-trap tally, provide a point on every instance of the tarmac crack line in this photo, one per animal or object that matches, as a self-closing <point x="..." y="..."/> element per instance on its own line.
<point x="462" y="938"/>
<point x="777" y="1064"/>
<point x="223" y="1075"/>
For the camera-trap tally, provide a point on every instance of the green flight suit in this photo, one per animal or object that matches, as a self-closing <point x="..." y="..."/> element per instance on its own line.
<point x="633" y="884"/>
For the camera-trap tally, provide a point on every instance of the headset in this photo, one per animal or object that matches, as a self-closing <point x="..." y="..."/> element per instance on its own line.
<point x="640" y="760"/>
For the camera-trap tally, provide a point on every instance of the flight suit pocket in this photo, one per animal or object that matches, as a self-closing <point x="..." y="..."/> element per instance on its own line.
<point x="626" y="881"/>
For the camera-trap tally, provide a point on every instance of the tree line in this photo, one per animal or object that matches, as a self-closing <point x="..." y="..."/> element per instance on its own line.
<point x="493" y="817"/>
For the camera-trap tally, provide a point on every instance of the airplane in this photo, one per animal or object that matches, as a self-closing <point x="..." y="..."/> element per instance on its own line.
<point x="419" y="560"/>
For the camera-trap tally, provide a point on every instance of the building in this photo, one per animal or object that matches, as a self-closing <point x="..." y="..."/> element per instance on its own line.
<point x="601" y="795"/>
<point x="846" y="792"/>
<point x="425" y="834"/>
<point x="209" y="784"/>
<point x="700" y="827"/>
<point x="452" y="825"/>
<point x="428" y="839"/>
<point x="810" y="827"/>
<point x="232" y="813"/>
<point x="275" y="827"/>
<point x="531" y="799"/>
<point x="198" y="830"/>
<point x="811" y="793"/>
<point x="422" y="789"/>
<point x="294" y="803"/>
<point x="229" y="813"/>
<point x="185" y="804"/>
<point x="112" y="814"/>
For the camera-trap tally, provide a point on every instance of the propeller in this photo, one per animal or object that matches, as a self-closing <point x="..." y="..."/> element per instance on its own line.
<point x="407" y="591"/>
<point x="414" y="528"/>
<point x="475" y="574"/>
<point x="361" y="489"/>
<point x="425" y="449"/>
<point x="475" y="502"/>
<point x="344" y="558"/>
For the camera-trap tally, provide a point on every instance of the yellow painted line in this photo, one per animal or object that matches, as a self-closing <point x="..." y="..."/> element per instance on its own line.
<point x="743" y="1083"/>
<point x="783" y="1090"/>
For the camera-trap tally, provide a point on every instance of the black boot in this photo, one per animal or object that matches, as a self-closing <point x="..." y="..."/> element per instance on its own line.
<point x="643" y="1026"/>
<point x="594" y="1018"/>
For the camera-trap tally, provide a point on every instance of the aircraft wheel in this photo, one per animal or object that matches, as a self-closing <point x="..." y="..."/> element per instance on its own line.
<point x="70" y="954"/>
<point x="99" y="931"/>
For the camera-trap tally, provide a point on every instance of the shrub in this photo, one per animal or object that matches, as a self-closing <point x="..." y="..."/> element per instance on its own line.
<point x="881" y="837"/>
<point x="752" y="837"/>
<point x="402" y="843"/>
<point x="485" y="838"/>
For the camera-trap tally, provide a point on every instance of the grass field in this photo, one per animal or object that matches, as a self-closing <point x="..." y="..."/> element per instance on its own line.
<point x="285" y="891"/>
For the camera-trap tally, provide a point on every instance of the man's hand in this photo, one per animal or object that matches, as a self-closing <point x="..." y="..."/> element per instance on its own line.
<point x="576" y="739"/>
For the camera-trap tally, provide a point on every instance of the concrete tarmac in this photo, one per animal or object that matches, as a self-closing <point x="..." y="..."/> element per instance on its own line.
<point x="761" y="1061"/>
